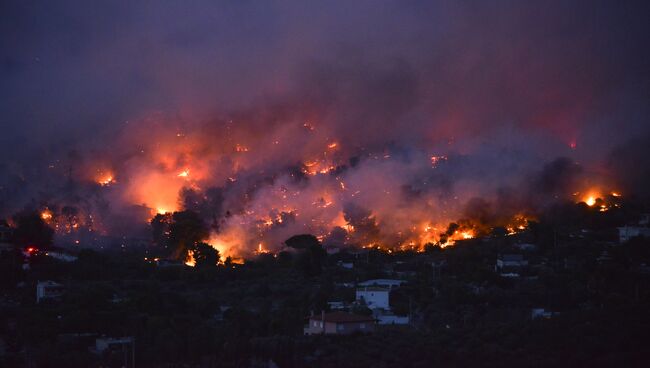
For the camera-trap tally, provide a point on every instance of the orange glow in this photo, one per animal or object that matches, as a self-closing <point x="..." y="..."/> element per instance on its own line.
<point x="105" y="178"/>
<point x="436" y="159"/>
<point x="184" y="174"/>
<point x="590" y="201"/>
<point x="189" y="259"/>
<point x="46" y="215"/>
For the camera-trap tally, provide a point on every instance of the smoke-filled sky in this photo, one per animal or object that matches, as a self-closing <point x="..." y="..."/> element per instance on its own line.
<point x="244" y="94"/>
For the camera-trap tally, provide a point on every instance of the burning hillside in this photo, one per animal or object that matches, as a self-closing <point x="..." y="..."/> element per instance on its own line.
<point x="356" y="132"/>
<point x="253" y="191"/>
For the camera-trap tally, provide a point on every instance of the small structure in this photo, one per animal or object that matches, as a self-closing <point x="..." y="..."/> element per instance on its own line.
<point x="48" y="290"/>
<point x="103" y="344"/>
<point x="374" y="297"/>
<point x="337" y="305"/>
<point x="385" y="283"/>
<point x="526" y="247"/>
<point x="339" y="323"/>
<point x="389" y="318"/>
<point x="169" y="263"/>
<point x="346" y="265"/>
<point x="626" y="233"/>
<point x="65" y="257"/>
<point x="509" y="265"/>
<point x="537" y="313"/>
<point x="511" y="260"/>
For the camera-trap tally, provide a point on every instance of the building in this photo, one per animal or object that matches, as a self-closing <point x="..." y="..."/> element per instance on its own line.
<point x="337" y="305"/>
<point x="389" y="318"/>
<point x="103" y="344"/>
<point x="385" y="283"/>
<point x="374" y="297"/>
<point x="346" y="265"/>
<point x="509" y="265"/>
<point x="626" y="233"/>
<point x="65" y="257"/>
<point x="339" y="323"/>
<point x="511" y="260"/>
<point x="538" y="313"/>
<point x="48" y="290"/>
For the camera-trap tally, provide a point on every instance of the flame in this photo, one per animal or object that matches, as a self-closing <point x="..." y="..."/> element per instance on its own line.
<point x="436" y="159"/>
<point x="184" y="174"/>
<point x="189" y="259"/>
<point x="590" y="201"/>
<point x="105" y="178"/>
<point x="46" y="215"/>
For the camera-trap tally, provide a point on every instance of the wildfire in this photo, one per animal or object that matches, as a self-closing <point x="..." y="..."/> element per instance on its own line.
<point x="46" y="215"/>
<point x="105" y="179"/>
<point x="590" y="201"/>
<point x="189" y="259"/>
<point x="184" y="174"/>
<point x="261" y="250"/>
<point x="436" y="159"/>
<point x="240" y="148"/>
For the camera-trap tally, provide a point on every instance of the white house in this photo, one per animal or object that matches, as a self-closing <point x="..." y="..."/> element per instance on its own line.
<point x="626" y="233"/>
<point x="388" y="318"/>
<point x="48" y="290"/>
<point x="385" y="283"/>
<point x="374" y="297"/>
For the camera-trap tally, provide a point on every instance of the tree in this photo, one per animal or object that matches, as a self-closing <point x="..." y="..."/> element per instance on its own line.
<point x="185" y="231"/>
<point x="32" y="230"/>
<point x="205" y="255"/>
<point x="160" y="225"/>
<point x="311" y="257"/>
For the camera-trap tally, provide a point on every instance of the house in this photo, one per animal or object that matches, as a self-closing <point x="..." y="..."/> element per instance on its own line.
<point x="169" y="263"/>
<point x="509" y="265"/>
<point x="626" y="233"/>
<point x="103" y="344"/>
<point x="537" y="313"/>
<point x="389" y="318"/>
<point x="65" y="257"/>
<point x="385" y="283"/>
<point x="336" y="305"/>
<point x="339" y="323"/>
<point x="48" y="290"/>
<point x="374" y="297"/>
<point x="346" y="265"/>
<point x="511" y="260"/>
<point x="526" y="247"/>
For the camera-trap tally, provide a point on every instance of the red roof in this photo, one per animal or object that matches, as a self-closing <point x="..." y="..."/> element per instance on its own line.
<point x="342" y="317"/>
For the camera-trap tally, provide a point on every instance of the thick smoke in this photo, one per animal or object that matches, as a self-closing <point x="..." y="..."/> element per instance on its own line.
<point x="362" y="122"/>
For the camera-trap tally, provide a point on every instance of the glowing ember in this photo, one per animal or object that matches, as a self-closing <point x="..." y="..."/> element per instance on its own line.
<point x="184" y="174"/>
<point x="46" y="215"/>
<point x="436" y="159"/>
<point x="105" y="179"/>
